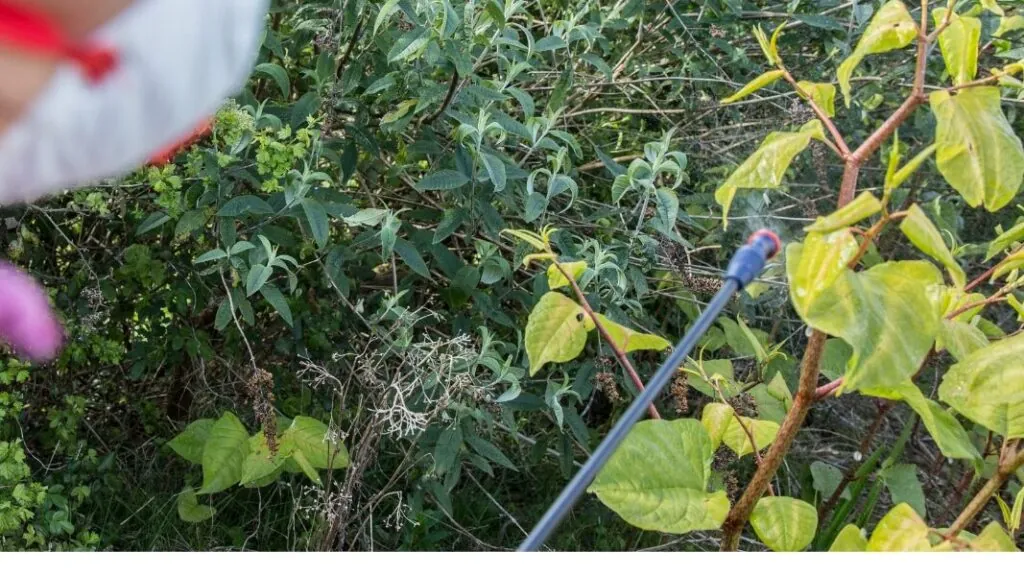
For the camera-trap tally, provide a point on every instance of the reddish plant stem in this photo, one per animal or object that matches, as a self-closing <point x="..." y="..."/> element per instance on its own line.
<point x="1011" y="457"/>
<point x="619" y="354"/>
<point x="843" y="149"/>
<point x="821" y="392"/>
<point x="732" y="528"/>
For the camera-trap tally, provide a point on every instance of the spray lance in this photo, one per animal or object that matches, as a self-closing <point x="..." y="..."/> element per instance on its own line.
<point x="746" y="265"/>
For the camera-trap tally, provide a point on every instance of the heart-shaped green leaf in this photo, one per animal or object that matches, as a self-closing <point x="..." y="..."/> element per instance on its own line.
<point x="784" y="524"/>
<point x="657" y="479"/>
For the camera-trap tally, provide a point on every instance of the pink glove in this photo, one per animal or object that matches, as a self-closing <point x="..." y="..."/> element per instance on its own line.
<point x="27" y="322"/>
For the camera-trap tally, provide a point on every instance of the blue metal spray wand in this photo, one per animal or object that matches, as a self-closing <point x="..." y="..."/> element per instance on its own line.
<point x="747" y="264"/>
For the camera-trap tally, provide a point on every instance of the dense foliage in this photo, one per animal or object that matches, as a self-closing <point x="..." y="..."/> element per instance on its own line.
<point x="419" y="266"/>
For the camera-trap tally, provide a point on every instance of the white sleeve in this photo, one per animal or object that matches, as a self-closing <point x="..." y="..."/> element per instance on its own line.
<point x="178" y="61"/>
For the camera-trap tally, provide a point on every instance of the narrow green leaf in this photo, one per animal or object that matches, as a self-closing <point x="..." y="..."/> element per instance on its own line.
<point x="274" y="297"/>
<point x="549" y="43"/>
<point x="316" y="217"/>
<point x="1009" y="24"/>
<point x="495" y="171"/>
<point x="1004" y="241"/>
<point x="210" y="256"/>
<point x="923" y="234"/>
<point x="256" y="278"/>
<point x="152" y="222"/>
<point x="278" y="74"/>
<point x="442" y="180"/>
<point x="411" y="256"/>
<point x="490" y="451"/>
<point x="367" y="217"/>
<point x="754" y="85"/>
<point x="389" y="8"/>
<point x="894" y="180"/>
<point x="863" y="206"/>
<point x="243" y="205"/>
<point x="446" y="451"/>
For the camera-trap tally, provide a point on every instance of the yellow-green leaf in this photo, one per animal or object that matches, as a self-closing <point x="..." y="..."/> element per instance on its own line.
<point x="766" y="166"/>
<point x="399" y="112"/>
<point x="1005" y="240"/>
<point x="754" y="85"/>
<point x="1012" y="262"/>
<point x="658" y="478"/>
<point x="736" y="438"/>
<point x="897" y="177"/>
<point x="713" y="376"/>
<point x="313" y="439"/>
<point x="850" y="539"/>
<point x="189" y="509"/>
<point x="716" y="418"/>
<point x="814" y="265"/>
<point x="987" y="387"/>
<point x="556" y="331"/>
<point x="1017" y="306"/>
<point x="951" y="438"/>
<point x="260" y="466"/>
<point x="555" y="277"/>
<point x="1017" y="511"/>
<point x="959" y="45"/>
<point x="901" y="530"/>
<point x="822" y="93"/>
<point x="629" y="340"/>
<point x="871" y="311"/>
<point x="993" y="539"/>
<point x="891" y="28"/>
<point x="861" y="207"/>
<point x="1008" y="24"/>
<point x="224" y="453"/>
<point x="303" y="463"/>
<point x="978" y="152"/>
<point x="768" y="48"/>
<point x="531" y="238"/>
<point x="189" y="444"/>
<point x="960" y="338"/>
<point x="784" y="524"/>
<point x="773" y="399"/>
<point x="992" y="6"/>
<point x="923" y="234"/>
<point x="720" y="422"/>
